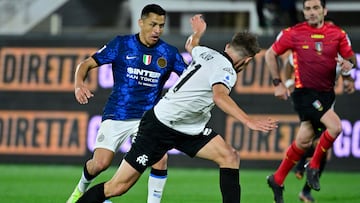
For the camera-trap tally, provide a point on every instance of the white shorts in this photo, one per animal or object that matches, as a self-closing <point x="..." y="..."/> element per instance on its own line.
<point x="112" y="134"/>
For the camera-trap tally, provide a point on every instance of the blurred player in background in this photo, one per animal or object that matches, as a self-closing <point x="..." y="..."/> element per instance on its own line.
<point x="141" y="65"/>
<point x="179" y="119"/>
<point x="315" y="45"/>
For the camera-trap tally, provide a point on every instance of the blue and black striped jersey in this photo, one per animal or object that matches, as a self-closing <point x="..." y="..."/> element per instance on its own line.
<point x="139" y="74"/>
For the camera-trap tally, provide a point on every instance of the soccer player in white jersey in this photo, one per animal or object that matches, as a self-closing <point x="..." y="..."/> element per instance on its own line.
<point x="180" y="117"/>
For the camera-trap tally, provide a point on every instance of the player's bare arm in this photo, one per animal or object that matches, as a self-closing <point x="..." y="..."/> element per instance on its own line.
<point x="198" y="26"/>
<point x="227" y="105"/>
<point x="82" y="93"/>
<point x="280" y="91"/>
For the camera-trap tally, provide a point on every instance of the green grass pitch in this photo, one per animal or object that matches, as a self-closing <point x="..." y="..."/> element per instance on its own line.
<point x="53" y="184"/>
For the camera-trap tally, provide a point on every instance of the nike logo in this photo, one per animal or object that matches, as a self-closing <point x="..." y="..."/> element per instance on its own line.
<point x="130" y="57"/>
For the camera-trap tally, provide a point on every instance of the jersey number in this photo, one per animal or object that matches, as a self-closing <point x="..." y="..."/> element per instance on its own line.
<point x="186" y="78"/>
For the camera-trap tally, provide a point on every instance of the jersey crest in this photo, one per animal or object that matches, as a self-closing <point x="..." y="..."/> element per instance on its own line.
<point x="147" y="59"/>
<point x="319" y="47"/>
<point x="161" y="62"/>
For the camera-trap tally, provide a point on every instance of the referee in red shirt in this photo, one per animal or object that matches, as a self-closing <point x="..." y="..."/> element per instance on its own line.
<point x="315" y="45"/>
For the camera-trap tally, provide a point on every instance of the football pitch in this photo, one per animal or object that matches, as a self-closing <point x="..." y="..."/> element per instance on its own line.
<point x="53" y="184"/>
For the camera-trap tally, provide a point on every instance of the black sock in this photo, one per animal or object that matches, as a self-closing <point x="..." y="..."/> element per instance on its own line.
<point x="161" y="173"/>
<point x="87" y="175"/>
<point x="229" y="185"/>
<point x="94" y="195"/>
<point x="306" y="188"/>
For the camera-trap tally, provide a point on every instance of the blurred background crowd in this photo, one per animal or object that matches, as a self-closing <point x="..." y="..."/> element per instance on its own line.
<point x="93" y="17"/>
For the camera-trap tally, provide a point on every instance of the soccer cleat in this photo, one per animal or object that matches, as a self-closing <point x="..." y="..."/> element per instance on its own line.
<point x="306" y="197"/>
<point x="277" y="189"/>
<point x="75" y="195"/>
<point x="312" y="178"/>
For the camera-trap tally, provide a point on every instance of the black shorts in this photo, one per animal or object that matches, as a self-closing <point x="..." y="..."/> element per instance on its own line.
<point x="311" y="105"/>
<point x="154" y="139"/>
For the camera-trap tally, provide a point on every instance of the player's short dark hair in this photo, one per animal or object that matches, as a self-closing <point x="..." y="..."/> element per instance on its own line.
<point x="323" y="2"/>
<point x="245" y="43"/>
<point x="152" y="8"/>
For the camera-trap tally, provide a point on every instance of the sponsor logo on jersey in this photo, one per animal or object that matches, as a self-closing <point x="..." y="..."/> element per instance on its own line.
<point x="130" y="57"/>
<point x="143" y="73"/>
<point x="206" y="56"/>
<point x="226" y="81"/>
<point x="142" y="160"/>
<point x="229" y="70"/>
<point x="147" y="59"/>
<point x="162" y="62"/>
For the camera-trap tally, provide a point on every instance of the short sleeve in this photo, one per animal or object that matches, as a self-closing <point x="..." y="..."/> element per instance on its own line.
<point x="224" y="74"/>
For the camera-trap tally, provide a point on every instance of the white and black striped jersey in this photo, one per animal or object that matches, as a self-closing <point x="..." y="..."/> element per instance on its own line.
<point x="186" y="106"/>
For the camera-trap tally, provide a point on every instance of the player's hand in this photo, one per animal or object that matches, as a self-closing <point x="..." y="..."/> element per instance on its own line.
<point x="198" y="24"/>
<point x="345" y="65"/>
<point x="83" y="94"/>
<point x="264" y="125"/>
<point x="281" y="92"/>
<point x="349" y="85"/>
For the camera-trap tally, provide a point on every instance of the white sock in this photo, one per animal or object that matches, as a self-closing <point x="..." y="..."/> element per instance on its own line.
<point x="83" y="183"/>
<point x="156" y="186"/>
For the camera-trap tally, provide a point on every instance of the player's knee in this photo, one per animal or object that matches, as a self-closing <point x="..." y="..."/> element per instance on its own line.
<point x="162" y="164"/>
<point x="112" y="188"/>
<point x="101" y="165"/>
<point x="231" y="159"/>
<point x="303" y="144"/>
<point x="335" y="130"/>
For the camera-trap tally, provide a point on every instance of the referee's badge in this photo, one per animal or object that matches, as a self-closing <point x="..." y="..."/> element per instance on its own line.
<point x="319" y="47"/>
<point x="147" y="59"/>
<point x="162" y="62"/>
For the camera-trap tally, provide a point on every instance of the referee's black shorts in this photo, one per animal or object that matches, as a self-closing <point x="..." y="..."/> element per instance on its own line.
<point x="154" y="139"/>
<point x="311" y="105"/>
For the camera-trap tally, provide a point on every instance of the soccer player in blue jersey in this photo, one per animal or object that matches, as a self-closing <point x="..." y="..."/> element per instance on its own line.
<point x="141" y="64"/>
